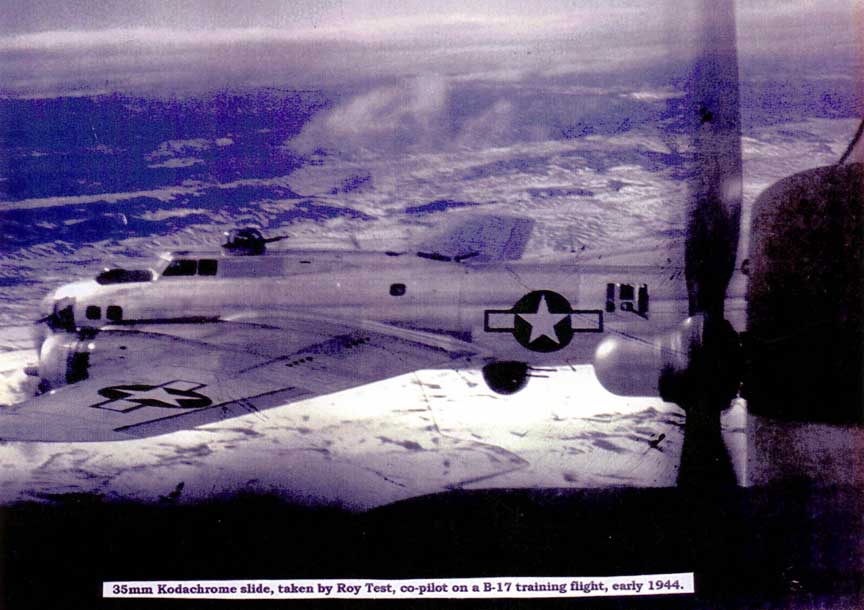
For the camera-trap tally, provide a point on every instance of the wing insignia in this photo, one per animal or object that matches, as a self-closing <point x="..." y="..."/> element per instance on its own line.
<point x="145" y="383"/>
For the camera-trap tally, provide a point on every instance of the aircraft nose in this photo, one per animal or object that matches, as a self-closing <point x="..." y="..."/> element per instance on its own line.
<point x="48" y="326"/>
<point x="59" y="315"/>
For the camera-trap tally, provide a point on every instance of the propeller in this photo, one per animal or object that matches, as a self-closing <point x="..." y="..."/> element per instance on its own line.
<point x="698" y="364"/>
<point x="803" y="352"/>
<point x="713" y="217"/>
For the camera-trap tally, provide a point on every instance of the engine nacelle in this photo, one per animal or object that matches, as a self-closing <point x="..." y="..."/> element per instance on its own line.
<point x="63" y="358"/>
<point x="805" y="317"/>
<point x="631" y="368"/>
<point x="678" y="366"/>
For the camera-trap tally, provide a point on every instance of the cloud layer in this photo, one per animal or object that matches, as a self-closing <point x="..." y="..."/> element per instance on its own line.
<point x="318" y="46"/>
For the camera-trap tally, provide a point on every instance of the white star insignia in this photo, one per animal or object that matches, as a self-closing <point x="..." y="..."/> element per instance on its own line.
<point x="160" y="394"/>
<point x="543" y="322"/>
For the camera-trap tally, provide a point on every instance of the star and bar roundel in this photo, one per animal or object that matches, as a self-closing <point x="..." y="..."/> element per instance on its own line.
<point x="177" y="394"/>
<point x="543" y="321"/>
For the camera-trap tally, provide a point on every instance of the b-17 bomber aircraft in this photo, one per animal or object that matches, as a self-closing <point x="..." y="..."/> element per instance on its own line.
<point x="212" y="334"/>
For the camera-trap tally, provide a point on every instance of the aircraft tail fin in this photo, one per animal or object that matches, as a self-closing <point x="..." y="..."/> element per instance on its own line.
<point x="482" y="239"/>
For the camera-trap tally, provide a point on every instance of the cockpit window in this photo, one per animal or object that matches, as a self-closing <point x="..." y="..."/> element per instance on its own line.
<point x="124" y="276"/>
<point x="207" y="266"/>
<point x="181" y="267"/>
<point x="63" y="315"/>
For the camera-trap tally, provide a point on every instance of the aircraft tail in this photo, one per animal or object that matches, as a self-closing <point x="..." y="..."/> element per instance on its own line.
<point x="482" y="239"/>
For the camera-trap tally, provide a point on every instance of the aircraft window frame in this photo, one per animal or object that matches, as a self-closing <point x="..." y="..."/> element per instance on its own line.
<point x="181" y="267"/>
<point x="124" y="276"/>
<point x="93" y="312"/>
<point x="627" y="292"/>
<point x="114" y="313"/>
<point x="398" y="289"/>
<point x="63" y="315"/>
<point x="642" y="299"/>
<point x="210" y="264"/>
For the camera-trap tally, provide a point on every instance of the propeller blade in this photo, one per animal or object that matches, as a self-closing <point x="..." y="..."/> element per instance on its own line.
<point x="714" y="210"/>
<point x="698" y="363"/>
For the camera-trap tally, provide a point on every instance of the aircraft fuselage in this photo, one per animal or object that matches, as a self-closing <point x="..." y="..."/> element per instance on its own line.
<point x="528" y="311"/>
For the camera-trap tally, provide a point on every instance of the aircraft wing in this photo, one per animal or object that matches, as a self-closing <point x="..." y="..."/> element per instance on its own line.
<point x="174" y="377"/>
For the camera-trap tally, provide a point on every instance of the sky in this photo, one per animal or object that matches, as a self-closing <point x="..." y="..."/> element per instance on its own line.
<point x="22" y="16"/>
<point x="50" y="48"/>
<point x="40" y="15"/>
<point x="85" y="47"/>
